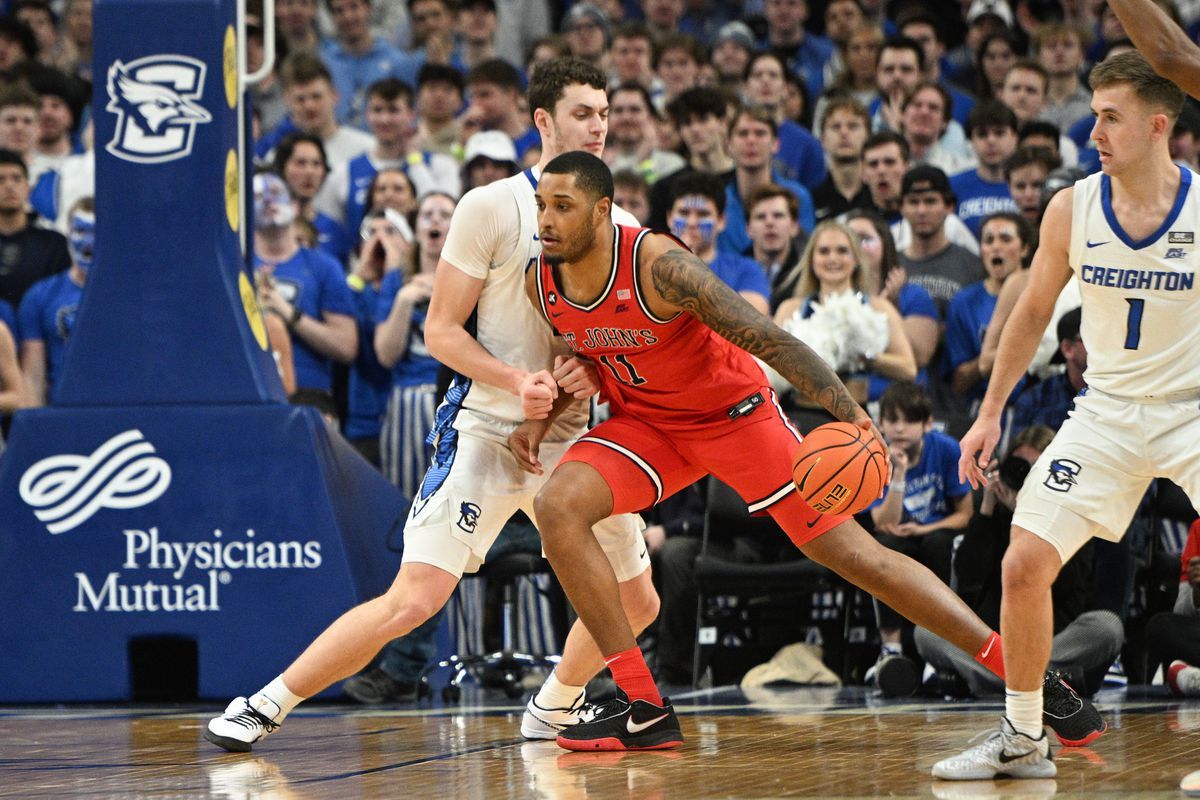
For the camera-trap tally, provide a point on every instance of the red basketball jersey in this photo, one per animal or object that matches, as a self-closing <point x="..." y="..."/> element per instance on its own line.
<point x="677" y="372"/>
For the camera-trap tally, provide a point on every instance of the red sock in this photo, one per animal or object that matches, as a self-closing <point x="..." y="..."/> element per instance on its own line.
<point x="991" y="655"/>
<point x="630" y="672"/>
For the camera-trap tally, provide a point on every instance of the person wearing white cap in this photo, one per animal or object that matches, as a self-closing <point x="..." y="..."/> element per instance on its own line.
<point x="489" y="156"/>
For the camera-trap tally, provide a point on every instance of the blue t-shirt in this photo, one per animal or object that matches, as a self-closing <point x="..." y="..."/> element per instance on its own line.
<point x="316" y="284"/>
<point x="1046" y="403"/>
<point x="353" y="73"/>
<point x="967" y="316"/>
<point x="979" y="199"/>
<point x="742" y="274"/>
<point x="416" y="366"/>
<point x="530" y="138"/>
<point x="932" y="484"/>
<point x="47" y="314"/>
<point x="799" y="156"/>
<point x="735" y="238"/>
<point x="332" y="239"/>
<point x="369" y="380"/>
<point x="913" y="301"/>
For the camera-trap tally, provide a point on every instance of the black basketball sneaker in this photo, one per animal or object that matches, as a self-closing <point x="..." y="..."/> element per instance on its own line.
<point x="621" y="725"/>
<point x="1074" y="720"/>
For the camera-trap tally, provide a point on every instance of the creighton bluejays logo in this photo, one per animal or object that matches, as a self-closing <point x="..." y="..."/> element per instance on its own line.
<point x="66" y="490"/>
<point x="468" y="516"/>
<point x="155" y="99"/>
<point x="1062" y="474"/>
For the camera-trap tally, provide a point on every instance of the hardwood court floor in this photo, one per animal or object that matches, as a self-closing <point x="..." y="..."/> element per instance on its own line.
<point x="799" y="743"/>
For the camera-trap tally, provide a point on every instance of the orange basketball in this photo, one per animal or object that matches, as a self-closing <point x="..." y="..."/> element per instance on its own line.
<point x="840" y="468"/>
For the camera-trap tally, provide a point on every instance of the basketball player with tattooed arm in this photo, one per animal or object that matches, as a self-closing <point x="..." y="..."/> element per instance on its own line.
<point x="480" y="325"/>
<point x="674" y="346"/>
<point x="1128" y="235"/>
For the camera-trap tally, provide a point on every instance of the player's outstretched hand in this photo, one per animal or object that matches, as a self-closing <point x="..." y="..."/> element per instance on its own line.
<point x="977" y="448"/>
<point x="538" y="391"/>
<point x="525" y="442"/>
<point x="577" y="376"/>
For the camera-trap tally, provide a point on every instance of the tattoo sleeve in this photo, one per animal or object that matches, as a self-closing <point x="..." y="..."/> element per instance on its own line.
<point x="685" y="281"/>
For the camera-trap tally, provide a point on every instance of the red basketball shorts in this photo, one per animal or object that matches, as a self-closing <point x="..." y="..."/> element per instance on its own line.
<point x="644" y="464"/>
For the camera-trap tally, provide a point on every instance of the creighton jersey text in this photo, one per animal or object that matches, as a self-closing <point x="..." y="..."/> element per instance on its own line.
<point x="1138" y="296"/>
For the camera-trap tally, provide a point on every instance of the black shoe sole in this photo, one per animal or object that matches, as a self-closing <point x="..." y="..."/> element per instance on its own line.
<point x="897" y="677"/>
<point x="232" y="745"/>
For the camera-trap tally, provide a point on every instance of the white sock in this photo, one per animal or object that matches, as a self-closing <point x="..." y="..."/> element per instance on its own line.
<point x="555" y="694"/>
<point x="279" y="694"/>
<point x="892" y="649"/>
<point x="1024" y="711"/>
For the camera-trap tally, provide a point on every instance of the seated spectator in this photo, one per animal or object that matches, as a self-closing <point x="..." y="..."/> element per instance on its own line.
<point x="632" y="140"/>
<point x="493" y="95"/>
<point x="776" y="240"/>
<point x="806" y="53"/>
<point x="1049" y="401"/>
<point x="996" y="54"/>
<point x="489" y="156"/>
<point x="1173" y="637"/>
<point x="356" y="58"/>
<point x="311" y="99"/>
<point x="49" y="309"/>
<point x="77" y="39"/>
<point x="1058" y="47"/>
<point x="731" y="52"/>
<point x="1024" y="91"/>
<point x="41" y="19"/>
<point x="389" y="114"/>
<point x="12" y="383"/>
<point x="983" y="191"/>
<point x="266" y="97"/>
<point x="300" y="161"/>
<point x="62" y="102"/>
<point x="677" y="63"/>
<point x="30" y="253"/>
<point x="391" y="188"/>
<point x="297" y="25"/>
<point x="19" y="110"/>
<point x="752" y="140"/>
<point x="699" y="114"/>
<point x="1026" y="172"/>
<point x="1006" y="247"/>
<point x="1185" y="137"/>
<point x="925" y="122"/>
<point x="926" y="30"/>
<point x="832" y="269"/>
<point x="918" y="314"/>
<point x="844" y="130"/>
<point x="1085" y="640"/>
<point x="633" y="60"/>
<point x="440" y="91"/>
<point x="798" y="155"/>
<point x="856" y="76"/>
<point x="931" y="259"/>
<point x="926" y="505"/>
<point x="587" y="30"/>
<point x="477" y="30"/>
<point x="632" y="193"/>
<point x="842" y="19"/>
<point x="697" y="217"/>
<point x="306" y="288"/>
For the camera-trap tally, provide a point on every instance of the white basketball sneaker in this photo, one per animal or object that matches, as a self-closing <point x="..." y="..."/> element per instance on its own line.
<point x="547" y="723"/>
<point x="1005" y="753"/>
<point x="244" y="722"/>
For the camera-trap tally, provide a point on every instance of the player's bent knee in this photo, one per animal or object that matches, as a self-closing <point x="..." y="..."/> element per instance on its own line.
<point x="642" y="609"/>
<point x="1030" y="564"/>
<point x="404" y="616"/>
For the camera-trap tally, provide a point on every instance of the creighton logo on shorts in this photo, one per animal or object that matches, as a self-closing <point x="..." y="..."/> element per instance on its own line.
<point x="468" y="516"/>
<point x="155" y="99"/>
<point x="1062" y="474"/>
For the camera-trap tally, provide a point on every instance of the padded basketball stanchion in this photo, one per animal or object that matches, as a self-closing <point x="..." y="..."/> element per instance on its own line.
<point x="169" y="490"/>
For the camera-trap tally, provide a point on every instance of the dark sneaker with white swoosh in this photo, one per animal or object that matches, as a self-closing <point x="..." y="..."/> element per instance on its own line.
<point x="1074" y="720"/>
<point x="622" y="725"/>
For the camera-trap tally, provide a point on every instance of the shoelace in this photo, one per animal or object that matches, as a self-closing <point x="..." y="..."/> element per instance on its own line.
<point x="249" y="718"/>
<point x="1058" y="695"/>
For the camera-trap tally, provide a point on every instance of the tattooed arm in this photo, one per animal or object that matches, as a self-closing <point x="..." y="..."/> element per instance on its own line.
<point x="682" y="281"/>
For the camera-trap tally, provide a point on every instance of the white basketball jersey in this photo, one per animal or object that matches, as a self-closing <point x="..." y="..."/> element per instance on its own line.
<point x="507" y="324"/>
<point x="1141" y="304"/>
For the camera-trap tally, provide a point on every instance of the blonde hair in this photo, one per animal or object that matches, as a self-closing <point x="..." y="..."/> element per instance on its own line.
<point x="808" y="284"/>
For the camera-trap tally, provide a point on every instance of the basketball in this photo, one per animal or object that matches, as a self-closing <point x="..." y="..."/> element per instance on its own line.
<point x="840" y="468"/>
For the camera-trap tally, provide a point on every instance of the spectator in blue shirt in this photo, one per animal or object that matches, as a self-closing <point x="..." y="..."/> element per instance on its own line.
<point x="923" y="28"/>
<point x="806" y="53"/>
<point x="356" y="59"/>
<point x="12" y="383"/>
<point x="926" y="505"/>
<point x="1006" y="248"/>
<point x="300" y="161"/>
<point x="306" y="288"/>
<point x="798" y="155"/>
<point x="752" y="140"/>
<point x="697" y="217"/>
<point x="983" y="191"/>
<point x="47" y="313"/>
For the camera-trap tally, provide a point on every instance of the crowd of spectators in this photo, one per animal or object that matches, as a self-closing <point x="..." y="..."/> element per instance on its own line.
<point x="870" y="174"/>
